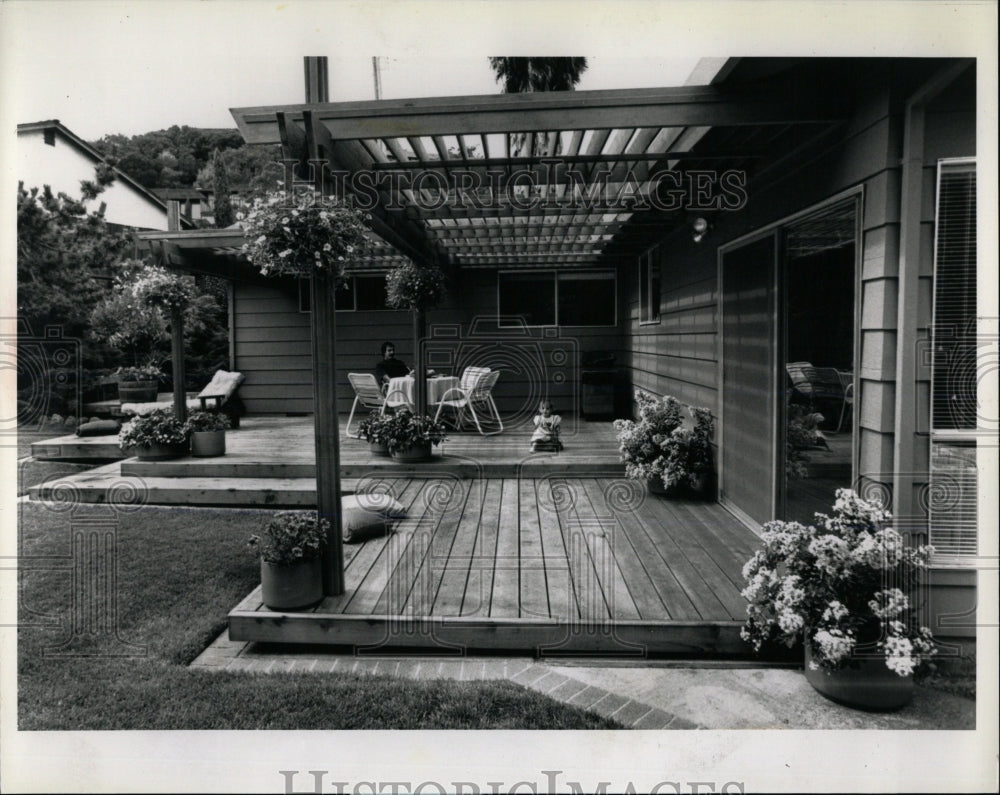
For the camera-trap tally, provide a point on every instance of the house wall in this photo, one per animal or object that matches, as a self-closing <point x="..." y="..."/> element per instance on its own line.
<point x="62" y="166"/>
<point x="679" y="355"/>
<point x="271" y="347"/>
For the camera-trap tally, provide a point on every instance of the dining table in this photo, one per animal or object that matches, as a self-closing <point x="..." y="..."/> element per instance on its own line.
<point x="400" y="390"/>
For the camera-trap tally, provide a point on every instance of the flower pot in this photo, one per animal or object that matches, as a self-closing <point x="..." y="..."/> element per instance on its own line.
<point x="418" y="452"/>
<point x="137" y="391"/>
<point x="655" y="486"/>
<point x="867" y="684"/>
<point x="160" y="452"/>
<point x="292" y="587"/>
<point x="378" y="448"/>
<point x="208" y="443"/>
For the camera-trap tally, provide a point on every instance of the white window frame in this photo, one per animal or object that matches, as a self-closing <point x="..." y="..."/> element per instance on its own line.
<point x="948" y="436"/>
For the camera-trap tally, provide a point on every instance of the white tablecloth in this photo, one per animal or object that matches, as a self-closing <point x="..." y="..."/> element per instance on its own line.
<point x="400" y="390"/>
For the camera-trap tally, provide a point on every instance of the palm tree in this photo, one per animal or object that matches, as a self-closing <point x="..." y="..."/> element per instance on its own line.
<point x="524" y="75"/>
<point x="521" y="75"/>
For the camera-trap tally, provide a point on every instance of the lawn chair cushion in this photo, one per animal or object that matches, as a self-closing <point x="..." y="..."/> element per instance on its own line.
<point x="98" y="428"/>
<point x="222" y="385"/>
<point x="364" y="516"/>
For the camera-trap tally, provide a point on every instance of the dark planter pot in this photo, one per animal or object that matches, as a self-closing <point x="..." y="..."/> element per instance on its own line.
<point x="870" y="685"/>
<point x="655" y="486"/>
<point x="293" y="587"/>
<point x="378" y="448"/>
<point x="137" y="391"/>
<point x="205" y="444"/>
<point x="160" y="452"/>
<point x="415" y="453"/>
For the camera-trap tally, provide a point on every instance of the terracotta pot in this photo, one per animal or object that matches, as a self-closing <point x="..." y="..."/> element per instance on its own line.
<point x="208" y="443"/>
<point x="137" y="391"/>
<point x="160" y="452"/>
<point x="292" y="587"/>
<point x="378" y="448"/>
<point x="416" y="453"/>
<point x="868" y="684"/>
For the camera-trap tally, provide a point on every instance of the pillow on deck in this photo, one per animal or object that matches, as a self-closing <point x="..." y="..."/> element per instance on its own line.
<point x="98" y="428"/>
<point x="142" y="409"/>
<point x="364" y="516"/>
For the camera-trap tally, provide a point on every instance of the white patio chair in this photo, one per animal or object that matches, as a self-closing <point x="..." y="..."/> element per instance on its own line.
<point x="367" y="394"/>
<point x="476" y="390"/>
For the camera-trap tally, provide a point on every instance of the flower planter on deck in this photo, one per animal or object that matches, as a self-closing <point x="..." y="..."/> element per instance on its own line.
<point x="137" y="391"/>
<point x="208" y="443"/>
<point x="870" y="685"/>
<point x="415" y="453"/>
<point x="160" y="452"/>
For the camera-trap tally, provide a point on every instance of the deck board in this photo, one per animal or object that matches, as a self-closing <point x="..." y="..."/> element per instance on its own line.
<point x="534" y="596"/>
<point x="506" y="569"/>
<point x="456" y="571"/>
<point x="559" y="583"/>
<point x="478" y="597"/>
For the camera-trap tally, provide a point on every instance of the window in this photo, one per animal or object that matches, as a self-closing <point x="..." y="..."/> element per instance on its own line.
<point x="564" y="298"/>
<point x="649" y="287"/>
<point x="954" y="420"/>
<point x="358" y="293"/>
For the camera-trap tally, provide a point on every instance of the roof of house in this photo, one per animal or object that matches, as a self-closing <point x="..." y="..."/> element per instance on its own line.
<point x="93" y="154"/>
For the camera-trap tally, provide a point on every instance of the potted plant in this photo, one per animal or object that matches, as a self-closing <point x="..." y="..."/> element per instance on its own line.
<point x="802" y="434"/>
<point x="845" y="588"/>
<point x="208" y="432"/>
<point x="639" y="441"/>
<point x="157" y="436"/>
<point x="410" y="437"/>
<point x="689" y="454"/>
<point x="374" y="429"/>
<point x="414" y="287"/>
<point x="138" y="384"/>
<point x="290" y="549"/>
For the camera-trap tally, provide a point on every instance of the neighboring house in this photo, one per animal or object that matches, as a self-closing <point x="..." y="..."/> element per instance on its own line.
<point x="194" y="204"/>
<point x="50" y="154"/>
<point x="849" y="246"/>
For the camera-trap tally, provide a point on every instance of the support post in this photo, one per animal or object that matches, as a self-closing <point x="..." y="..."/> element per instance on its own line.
<point x="177" y="355"/>
<point x="419" y="372"/>
<point x="326" y="426"/>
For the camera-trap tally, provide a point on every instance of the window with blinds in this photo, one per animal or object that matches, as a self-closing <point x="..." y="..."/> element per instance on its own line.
<point x="954" y="475"/>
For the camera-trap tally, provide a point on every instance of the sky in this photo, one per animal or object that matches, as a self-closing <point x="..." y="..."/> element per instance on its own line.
<point x="130" y="68"/>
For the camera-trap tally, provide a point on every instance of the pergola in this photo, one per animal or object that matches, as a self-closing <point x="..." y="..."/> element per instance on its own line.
<point x="542" y="180"/>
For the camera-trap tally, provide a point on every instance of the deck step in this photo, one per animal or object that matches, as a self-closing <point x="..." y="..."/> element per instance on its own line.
<point x="78" y="448"/>
<point x="107" y="485"/>
<point x="231" y="466"/>
<point x="251" y="621"/>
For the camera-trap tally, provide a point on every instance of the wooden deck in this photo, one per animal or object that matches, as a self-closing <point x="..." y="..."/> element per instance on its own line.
<point x="552" y="564"/>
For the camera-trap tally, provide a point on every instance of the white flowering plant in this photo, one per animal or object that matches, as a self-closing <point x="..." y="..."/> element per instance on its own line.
<point x="844" y="585"/>
<point x="158" y="288"/>
<point x="299" y="234"/>
<point x="157" y="427"/>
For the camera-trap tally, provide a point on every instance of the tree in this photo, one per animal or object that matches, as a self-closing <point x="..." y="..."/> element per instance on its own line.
<point x="525" y="75"/>
<point x="224" y="215"/>
<point x="522" y="75"/>
<point x="65" y="255"/>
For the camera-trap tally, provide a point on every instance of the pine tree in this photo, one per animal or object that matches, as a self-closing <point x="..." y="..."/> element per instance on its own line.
<point x="224" y="215"/>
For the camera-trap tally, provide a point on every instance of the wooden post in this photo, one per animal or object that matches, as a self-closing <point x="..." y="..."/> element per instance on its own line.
<point x="177" y="354"/>
<point x="327" y="427"/>
<point x="419" y="373"/>
<point x="317" y="79"/>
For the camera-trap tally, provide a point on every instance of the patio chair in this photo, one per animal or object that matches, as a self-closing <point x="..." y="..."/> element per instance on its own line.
<point x="847" y="382"/>
<point x="367" y="394"/>
<point x="821" y="387"/>
<point x="476" y="390"/>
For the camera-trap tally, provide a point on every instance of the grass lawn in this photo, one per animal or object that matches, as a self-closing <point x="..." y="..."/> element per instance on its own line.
<point x="179" y="572"/>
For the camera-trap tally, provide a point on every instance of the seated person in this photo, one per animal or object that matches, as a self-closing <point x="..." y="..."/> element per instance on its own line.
<point x="389" y="366"/>
<point x="546" y="434"/>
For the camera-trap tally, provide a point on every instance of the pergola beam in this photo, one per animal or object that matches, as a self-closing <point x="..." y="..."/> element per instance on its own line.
<point x="687" y="106"/>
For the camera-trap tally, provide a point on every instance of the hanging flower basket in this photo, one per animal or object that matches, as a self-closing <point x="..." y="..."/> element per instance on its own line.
<point x="299" y="234"/>
<point x="414" y="287"/>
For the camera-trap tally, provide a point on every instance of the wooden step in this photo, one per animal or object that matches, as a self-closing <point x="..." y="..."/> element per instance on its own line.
<point x="252" y="621"/>
<point x="230" y="466"/>
<point x="78" y="448"/>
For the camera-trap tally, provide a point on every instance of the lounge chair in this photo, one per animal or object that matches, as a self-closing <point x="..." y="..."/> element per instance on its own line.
<point x="218" y="395"/>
